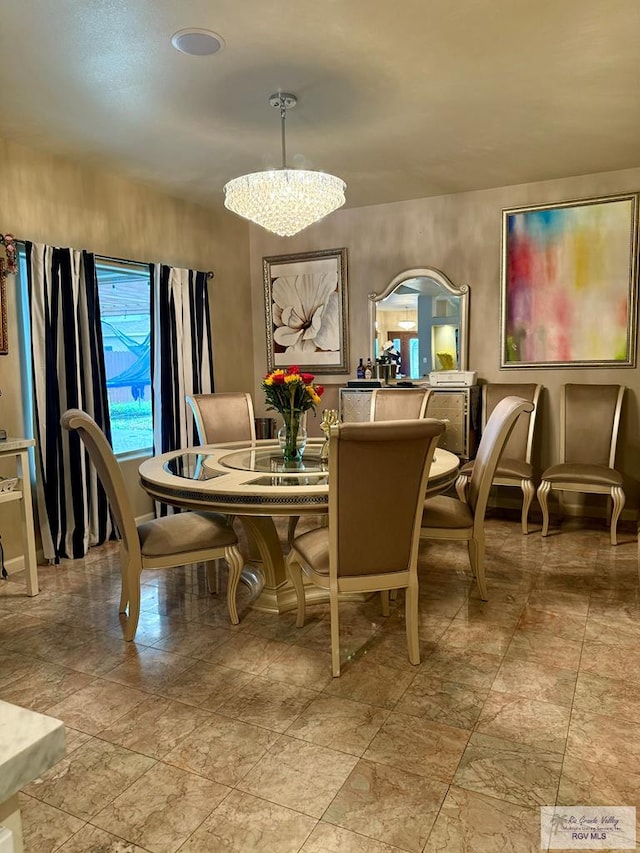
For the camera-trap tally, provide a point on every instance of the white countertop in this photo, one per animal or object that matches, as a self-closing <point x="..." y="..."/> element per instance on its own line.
<point x="30" y="743"/>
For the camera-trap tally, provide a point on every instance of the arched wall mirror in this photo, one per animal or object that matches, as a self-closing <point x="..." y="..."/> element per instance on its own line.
<point x="422" y="316"/>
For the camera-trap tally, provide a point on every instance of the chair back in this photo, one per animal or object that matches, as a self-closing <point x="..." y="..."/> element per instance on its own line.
<point x="377" y="479"/>
<point x="389" y="404"/>
<point x="223" y="417"/>
<point x="494" y="438"/>
<point x="109" y="472"/>
<point x="520" y="443"/>
<point x="589" y="423"/>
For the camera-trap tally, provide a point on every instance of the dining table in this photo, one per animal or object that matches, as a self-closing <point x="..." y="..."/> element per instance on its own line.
<point x="252" y="482"/>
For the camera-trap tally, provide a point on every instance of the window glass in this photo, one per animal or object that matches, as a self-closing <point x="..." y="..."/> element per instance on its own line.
<point x="125" y="311"/>
<point x="414" y="358"/>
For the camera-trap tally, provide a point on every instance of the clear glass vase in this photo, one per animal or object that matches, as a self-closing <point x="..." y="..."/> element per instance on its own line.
<point x="292" y="437"/>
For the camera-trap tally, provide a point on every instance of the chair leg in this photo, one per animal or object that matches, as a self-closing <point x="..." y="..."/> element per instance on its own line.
<point x="461" y="487"/>
<point x="411" y="619"/>
<point x="124" y="596"/>
<point x="619" y="500"/>
<point x="335" y="634"/>
<point x="295" y="576"/>
<point x="384" y="598"/>
<point x="543" y="491"/>
<point x="528" y="491"/>
<point x="235" y="562"/>
<point x="124" y="592"/>
<point x="133" y="586"/>
<point x="291" y="528"/>
<point x="476" y="558"/>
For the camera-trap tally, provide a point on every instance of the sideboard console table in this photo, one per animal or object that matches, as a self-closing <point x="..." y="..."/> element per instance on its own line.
<point x="459" y="406"/>
<point x="18" y="448"/>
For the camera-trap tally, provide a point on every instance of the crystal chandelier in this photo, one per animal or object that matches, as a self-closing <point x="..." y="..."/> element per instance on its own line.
<point x="284" y="200"/>
<point x="406" y="324"/>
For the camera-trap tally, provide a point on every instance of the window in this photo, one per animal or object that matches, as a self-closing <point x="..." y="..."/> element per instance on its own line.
<point x="414" y="358"/>
<point x="125" y="311"/>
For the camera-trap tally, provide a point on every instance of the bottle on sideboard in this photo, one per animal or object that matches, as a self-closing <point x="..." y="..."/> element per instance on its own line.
<point x="360" y="370"/>
<point x="368" y="370"/>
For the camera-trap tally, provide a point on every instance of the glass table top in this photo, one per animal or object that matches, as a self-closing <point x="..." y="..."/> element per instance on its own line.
<point x="269" y="460"/>
<point x="310" y="471"/>
<point x="191" y="466"/>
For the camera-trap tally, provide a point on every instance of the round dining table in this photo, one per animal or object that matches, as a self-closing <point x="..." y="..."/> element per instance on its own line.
<point x="251" y="481"/>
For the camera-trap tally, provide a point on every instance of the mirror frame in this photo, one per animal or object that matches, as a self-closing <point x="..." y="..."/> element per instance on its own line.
<point x="462" y="292"/>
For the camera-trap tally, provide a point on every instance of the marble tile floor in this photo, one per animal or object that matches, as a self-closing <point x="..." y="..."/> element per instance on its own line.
<point x="203" y="737"/>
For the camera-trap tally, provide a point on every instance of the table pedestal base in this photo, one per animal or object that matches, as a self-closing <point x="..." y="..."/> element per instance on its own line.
<point x="265" y="571"/>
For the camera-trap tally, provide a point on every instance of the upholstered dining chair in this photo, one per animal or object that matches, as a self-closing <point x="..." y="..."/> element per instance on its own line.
<point x="589" y="424"/>
<point x="389" y="404"/>
<point x="223" y="416"/>
<point x="446" y="518"/>
<point x="370" y="544"/>
<point x="163" y="543"/>
<point x="228" y="416"/>
<point x="514" y="466"/>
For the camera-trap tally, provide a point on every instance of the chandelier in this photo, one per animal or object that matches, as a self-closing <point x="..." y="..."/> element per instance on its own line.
<point x="283" y="200"/>
<point x="406" y="324"/>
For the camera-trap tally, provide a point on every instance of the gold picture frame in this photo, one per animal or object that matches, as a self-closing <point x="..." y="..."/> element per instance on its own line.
<point x="4" y="341"/>
<point x="305" y="298"/>
<point x="568" y="288"/>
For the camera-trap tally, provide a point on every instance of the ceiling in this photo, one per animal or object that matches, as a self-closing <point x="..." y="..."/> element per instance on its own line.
<point x="401" y="99"/>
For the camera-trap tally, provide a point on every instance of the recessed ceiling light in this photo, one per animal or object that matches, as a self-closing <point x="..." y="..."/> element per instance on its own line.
<point x="197" y="42"/>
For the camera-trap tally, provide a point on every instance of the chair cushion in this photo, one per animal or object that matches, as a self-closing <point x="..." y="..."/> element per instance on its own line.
<point x="515" y="468"/>
<point x="446" y="512"/>
<point x="313" y="549"/>
<point x="583" y="475"/>
<point x="185" y="531"/>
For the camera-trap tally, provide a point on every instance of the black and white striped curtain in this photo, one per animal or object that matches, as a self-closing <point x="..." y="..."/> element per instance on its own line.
<point x="182" y="353"/>
<point x="68" y="372"/>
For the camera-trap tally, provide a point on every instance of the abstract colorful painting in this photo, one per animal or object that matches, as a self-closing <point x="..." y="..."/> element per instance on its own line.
<point x="569" y="284"/>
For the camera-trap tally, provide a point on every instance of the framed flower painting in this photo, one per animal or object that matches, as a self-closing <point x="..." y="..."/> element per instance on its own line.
<point x="305" y="297"/>
<point x="4" y="348"/>
<point x="569" y="276"/>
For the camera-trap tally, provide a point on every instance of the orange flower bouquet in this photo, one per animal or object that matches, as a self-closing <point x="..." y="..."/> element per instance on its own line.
<point x="291" y="393"/>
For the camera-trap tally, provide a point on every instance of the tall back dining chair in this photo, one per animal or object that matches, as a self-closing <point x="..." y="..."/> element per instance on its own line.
<point x="446" y="518"/>
<point x="228" y="416"/>
<point x="175" y="540"/>
<point x="223" y="416"/>
<point x="514" y="466"/>
<point x="371" y="543"/>
<point x="390" y="404"/>
<point x="589" y="424"/>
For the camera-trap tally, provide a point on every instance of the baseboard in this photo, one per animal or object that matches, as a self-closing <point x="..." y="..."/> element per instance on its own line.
<point x="148" y="516"/>
<point x="572" y="510"/>
<point x="15" y="565"/>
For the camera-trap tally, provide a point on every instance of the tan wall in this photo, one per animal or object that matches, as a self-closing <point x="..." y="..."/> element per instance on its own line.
<point x="51" y="200"/>
<point x="460" y="235"/>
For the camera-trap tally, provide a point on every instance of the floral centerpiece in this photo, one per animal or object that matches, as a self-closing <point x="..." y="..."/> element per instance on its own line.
<point x="291" y="393"/>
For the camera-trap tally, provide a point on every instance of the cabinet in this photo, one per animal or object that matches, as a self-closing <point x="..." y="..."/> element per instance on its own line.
<point x="18" y="448"/>
<point x="460" y="407"/>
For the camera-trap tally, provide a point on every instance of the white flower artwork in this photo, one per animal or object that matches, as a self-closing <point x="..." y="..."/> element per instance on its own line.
<point x="306" y="312"/>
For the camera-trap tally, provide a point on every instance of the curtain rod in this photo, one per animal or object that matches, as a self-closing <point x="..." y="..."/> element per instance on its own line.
<point x="210" y="274"/>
